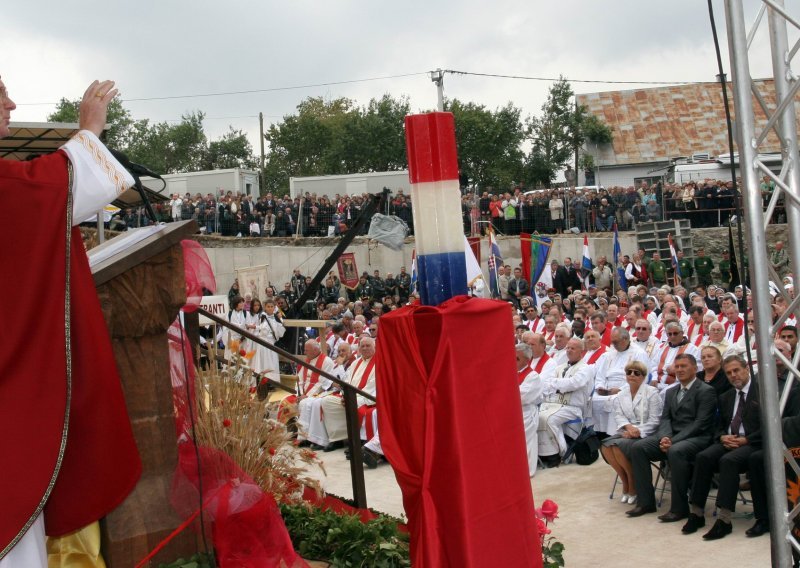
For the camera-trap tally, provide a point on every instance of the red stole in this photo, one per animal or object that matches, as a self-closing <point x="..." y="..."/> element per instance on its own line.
<point x="549" y="336"/>
<point x="737" y="332"/>
<point x="365" y="411"/>
<point x="524" y="373"/>
<point x="605" y="339"/>
<point x="596" y="355"/>
<point x="307" y="384"/>
<point x="540" y="365"/>
<point x="690" y="330"/>
<point x="663" y="360"/>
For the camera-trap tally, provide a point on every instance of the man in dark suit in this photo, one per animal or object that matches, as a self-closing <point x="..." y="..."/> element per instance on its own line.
<point x="573" y="277"/>
<point x="518" y="287"/>
<point x="737" y="437"/>
<point x="686" y="429"/>
<point x="758" y="479"/>
<point x="559" y="276"/>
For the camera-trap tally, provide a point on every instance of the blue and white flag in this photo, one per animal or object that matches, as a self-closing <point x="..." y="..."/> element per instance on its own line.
<point x="675" y="264"/>
<point x="495" y="262"/>
<point x="623" y="282"/>
<point x="586" y="263"/>
<point x="413" y="271"/>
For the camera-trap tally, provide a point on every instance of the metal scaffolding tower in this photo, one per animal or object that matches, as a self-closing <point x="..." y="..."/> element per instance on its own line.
<point x="782" y="121"/>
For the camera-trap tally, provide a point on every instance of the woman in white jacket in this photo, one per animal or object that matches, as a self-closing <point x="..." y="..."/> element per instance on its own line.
<point x="637" y="409"/>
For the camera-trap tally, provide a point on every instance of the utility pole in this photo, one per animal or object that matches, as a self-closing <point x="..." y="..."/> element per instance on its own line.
<point x="438" y="78"/>
<point x="261" y="191"/>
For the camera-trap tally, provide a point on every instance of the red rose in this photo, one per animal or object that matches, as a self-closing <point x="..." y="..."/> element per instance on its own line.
<point x="542" y="527"/>
<point x="242" y="352"/>
<point x="263" y="381"/>
<point x="226" y="423"/>
<point x="272" y="451"/>
<point x="252" y="390"/>
<point x="548" y="511"/>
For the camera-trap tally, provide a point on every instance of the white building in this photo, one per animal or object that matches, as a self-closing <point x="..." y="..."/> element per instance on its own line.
<point x="237" y="180"/>
<point x="350" y="184"/>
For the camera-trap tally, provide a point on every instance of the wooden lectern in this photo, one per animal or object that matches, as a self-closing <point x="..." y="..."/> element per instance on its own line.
<point x="141" y="291"/>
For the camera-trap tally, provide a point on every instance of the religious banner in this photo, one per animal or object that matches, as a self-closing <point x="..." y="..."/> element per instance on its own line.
<point x="252" y="280"/>
<point x="348" y="273"/>
<point x="535" y="259"/>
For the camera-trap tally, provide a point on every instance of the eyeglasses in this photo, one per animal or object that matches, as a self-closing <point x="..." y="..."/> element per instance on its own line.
<point x="671" y="333"/>
<point x="634" y="372"/>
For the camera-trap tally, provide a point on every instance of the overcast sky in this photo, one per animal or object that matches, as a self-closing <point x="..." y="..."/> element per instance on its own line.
<point x="169" y="48"/>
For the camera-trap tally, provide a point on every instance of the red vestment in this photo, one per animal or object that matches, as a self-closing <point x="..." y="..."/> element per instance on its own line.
<point x="451" y="426"/>
<point x="100" y="464"/>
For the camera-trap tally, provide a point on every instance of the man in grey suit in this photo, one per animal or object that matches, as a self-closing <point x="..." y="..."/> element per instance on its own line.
<point x="686" y="428"/>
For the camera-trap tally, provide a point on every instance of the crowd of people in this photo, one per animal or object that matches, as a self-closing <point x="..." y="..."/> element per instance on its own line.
<point x="661" y="373"/>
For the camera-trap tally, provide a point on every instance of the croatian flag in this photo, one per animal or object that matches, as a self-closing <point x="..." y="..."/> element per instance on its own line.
<point x="623" y="281"/>
<point x="675" y="264"/>
<point x="586" y="263"/>
<point x="436" y="206"/>
<point x="495" y="261"/>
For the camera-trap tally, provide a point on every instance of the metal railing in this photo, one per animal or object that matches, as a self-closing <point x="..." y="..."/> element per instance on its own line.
<point x="349" y="394"/>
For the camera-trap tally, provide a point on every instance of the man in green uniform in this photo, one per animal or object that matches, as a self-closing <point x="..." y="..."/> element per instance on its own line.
<point x="687" y="269"/>
<point x="725" y="269"/>
<point x="657" y="270"/>
<point x="779" y="259"/>
<point x="704" y="266"/>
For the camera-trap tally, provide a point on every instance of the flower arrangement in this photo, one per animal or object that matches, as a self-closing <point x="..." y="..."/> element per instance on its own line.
<point x="552" y="550"/>
<point x="231" y="418"/>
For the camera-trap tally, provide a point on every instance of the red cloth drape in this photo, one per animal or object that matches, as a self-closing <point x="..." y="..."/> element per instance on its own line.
<point x="450" y="422"/>
<point x="101" y="464"/>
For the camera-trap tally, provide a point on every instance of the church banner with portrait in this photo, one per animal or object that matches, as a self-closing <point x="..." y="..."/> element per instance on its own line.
<point x="252" y="280"/>
<point x="348" y="273"/>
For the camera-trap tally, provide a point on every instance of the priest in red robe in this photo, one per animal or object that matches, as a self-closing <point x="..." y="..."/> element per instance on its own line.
<point x="67" y="454"/>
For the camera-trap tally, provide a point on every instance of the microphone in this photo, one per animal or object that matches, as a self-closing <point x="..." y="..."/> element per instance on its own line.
<point x="137" y="169"/>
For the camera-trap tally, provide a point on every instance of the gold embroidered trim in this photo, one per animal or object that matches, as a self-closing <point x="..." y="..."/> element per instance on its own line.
<point x="68" y="349"/>
<point x="114" y="176"/>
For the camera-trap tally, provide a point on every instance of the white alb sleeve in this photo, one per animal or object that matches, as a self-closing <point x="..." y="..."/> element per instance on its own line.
<point x="98" y="177"/>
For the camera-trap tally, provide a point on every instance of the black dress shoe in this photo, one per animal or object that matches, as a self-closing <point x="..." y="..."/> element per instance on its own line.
<point x="760" y="528"/>
<point x="333" y="446"/>
<point x="316" y="447"/>
<point x="303" y="444"/>
<point x="671" y="517"/>
<point x="719" y="530"/>
<point x="693" y="523"/>
<point x="371" y="459"/>
<point x="638" y="511"/>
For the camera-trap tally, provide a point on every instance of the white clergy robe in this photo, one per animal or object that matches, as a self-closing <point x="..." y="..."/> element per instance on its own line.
<point x="333" y="406"/>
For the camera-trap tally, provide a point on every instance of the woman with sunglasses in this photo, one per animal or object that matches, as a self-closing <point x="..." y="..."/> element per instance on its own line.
<point x="637" y="410"/>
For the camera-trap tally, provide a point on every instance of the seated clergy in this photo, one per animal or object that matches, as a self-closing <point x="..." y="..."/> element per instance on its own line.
<point x="311" y="391"/>
<point x="541" y="362"/>
<point x="558" y="352"/>
<point x="685" y="429"/>
<point x="677" y="344"/>
<point x="737" y="436"/>
<point x="361" y="374"/>
<point x="610" y="378"/>
<point x="566" y="399"/>
<point x="530" y="392"/>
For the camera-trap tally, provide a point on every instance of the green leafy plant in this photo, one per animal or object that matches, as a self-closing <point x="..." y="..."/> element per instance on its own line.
<point x="344" y="540"/>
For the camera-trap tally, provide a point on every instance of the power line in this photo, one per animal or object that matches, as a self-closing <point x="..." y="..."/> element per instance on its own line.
<point x="499" y="76"/>
<point x="253" y="91"/>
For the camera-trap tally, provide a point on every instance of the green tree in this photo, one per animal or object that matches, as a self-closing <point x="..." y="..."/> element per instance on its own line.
<point x="554" y="135"/>
<point x="488" y="143"/>
<point x="231" y="150"/>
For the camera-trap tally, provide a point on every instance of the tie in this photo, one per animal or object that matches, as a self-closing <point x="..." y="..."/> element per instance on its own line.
<point x="681" y="394"/>
<point x="736" y="423"/>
